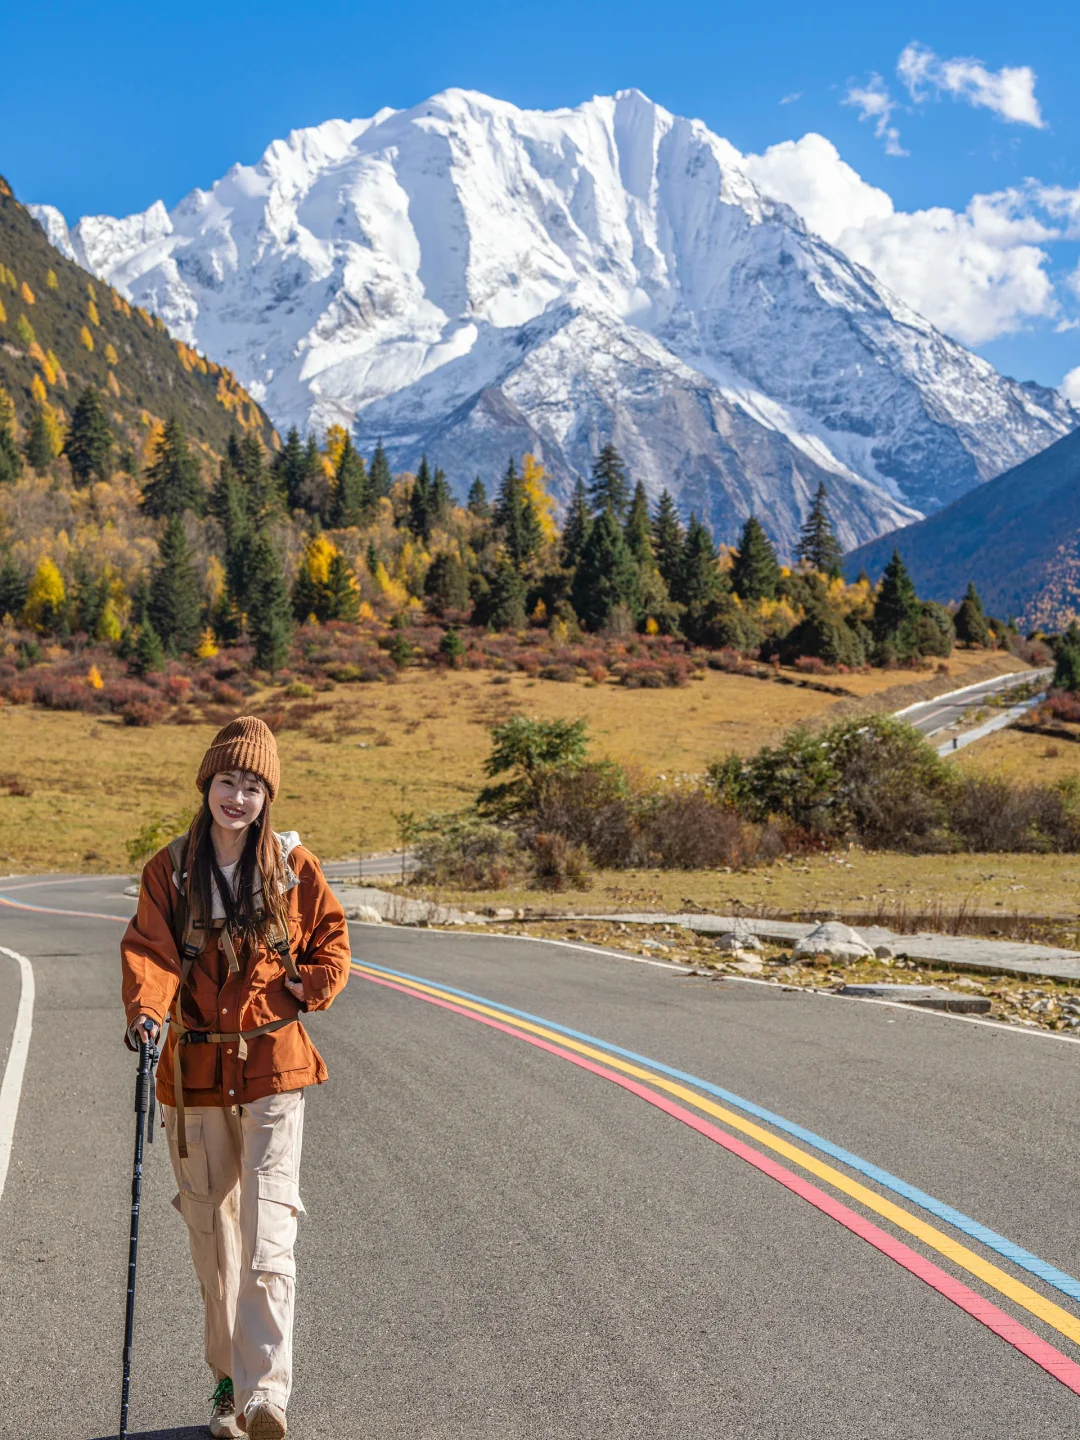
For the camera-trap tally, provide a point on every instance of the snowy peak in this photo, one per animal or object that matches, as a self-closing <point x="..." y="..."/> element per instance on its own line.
<point x="472" y="278"/>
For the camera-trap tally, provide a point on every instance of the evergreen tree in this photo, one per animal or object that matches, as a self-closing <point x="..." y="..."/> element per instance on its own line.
<point x="610" y="489"/>
<point x="349" y="504"/>
<point x="89" y="442"/>
<point x="576" y="526"/>
<point x="447" y="584"/>
<point x="516" y="517"/>
<point x="818" y="544"/>
<point x="314" y="490"/>
<point x="607" y="575"/>
<point x="668" y="542"/>
<point x="756" y="571"/>
<point x="698" y="580"/>
<point x="1067" y="661"/>
<point x="9" y="452"/>
<point x="478" y="502"/>
<point x="452" y="647"/>
<point x="371" y="558"/>
<point x="263" y="493"/>
<point x="342" y="596"/>
<point x="506" y="597"/>
<point x="442" y="502"/>
<point x="970" y="619"/>
<point x="420" y="502"/>
<point x="146" y="653"/>
<point x="13" y="588"/>
<point x="269" y="619"/>
<point x="37" y="447"/>
<point x="292" y="469"/>
<point x="380" y="478"/>
<point x="308" y="596"/>
<point x="175" y="604"/>
<point x="638" y="529"/>
<point x="896" y="611"/>
<point x="173" y="482"/>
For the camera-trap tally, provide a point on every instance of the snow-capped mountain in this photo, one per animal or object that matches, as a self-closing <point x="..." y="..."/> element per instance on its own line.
<point x="473" y="280"/>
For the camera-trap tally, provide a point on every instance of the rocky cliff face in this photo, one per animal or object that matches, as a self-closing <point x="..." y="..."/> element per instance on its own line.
<point x="472" y="280"/>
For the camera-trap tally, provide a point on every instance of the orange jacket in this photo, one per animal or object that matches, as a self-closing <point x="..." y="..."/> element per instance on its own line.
<point x="285" y="1059"/>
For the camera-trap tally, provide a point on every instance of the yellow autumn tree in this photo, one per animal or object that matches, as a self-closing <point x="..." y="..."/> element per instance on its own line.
<point x="534" y="477"/>
<point x="214" y="581"/>
<point x="93" y="675"/>
<point x="92" y="314"/>
<point x="86" y="339"/>
<point x="51" y="282"/>
<point x="91" y="292"/>
<point x="392" y="590"/>
<point x="54" y="428"/>
<point x="7" y="277"/>
<point x="3" y="314"/>
<point x="57" y="368"/>
<point x="38" y="391"/>
<point x="206" y="648"/>
<point x="111" y="357"/>
<point x="45" y="597"/>
<point x="317" y="558"/>
<point x="109" y="629"/>
<point x="25" y="331"/>
<point x="336" y="436"/>
<point x="27" y="294"/>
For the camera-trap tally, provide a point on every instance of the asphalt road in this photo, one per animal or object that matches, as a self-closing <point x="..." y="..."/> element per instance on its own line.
<point x="500" y="1244"/>
<point x="936" y="715"/>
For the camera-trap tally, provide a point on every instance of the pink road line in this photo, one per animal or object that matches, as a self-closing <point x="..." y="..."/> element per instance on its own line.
<point x="988" y="1314"/>
<point x="51" y="910"/>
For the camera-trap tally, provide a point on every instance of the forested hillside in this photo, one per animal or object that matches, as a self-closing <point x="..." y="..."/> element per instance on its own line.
<point x="61" y="331"/>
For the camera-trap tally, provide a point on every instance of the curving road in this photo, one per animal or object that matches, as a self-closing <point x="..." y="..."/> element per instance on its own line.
<point x="517" y="1232"/>
<point x="930" y="717"/>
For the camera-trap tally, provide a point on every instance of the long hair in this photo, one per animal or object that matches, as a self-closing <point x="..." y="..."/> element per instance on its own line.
<point x="260" y="858"/>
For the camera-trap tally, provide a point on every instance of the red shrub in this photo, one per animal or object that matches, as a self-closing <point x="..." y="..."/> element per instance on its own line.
<point x="143" y="712"/>
<point x="811" y="665"/>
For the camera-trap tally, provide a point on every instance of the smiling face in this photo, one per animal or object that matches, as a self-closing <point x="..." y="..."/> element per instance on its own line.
<point x="236" y="798"/>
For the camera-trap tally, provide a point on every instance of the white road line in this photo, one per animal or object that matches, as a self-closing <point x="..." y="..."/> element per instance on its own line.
<point x="11" y="1088"/>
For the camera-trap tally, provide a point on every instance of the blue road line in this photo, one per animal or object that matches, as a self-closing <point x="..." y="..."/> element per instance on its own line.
<point x="990" y="1238"/>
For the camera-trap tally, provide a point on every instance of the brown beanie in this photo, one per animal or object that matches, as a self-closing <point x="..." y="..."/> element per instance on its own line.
<point x="243" y="744"/>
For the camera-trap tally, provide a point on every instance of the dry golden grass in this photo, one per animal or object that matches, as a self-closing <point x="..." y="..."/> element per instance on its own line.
<point x="94" y="784"/>
<point x="1024" y="757"/>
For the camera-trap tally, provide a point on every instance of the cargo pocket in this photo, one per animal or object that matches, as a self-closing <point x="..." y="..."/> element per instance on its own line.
<point x="275" y="1234"/>
<point x="195" y="1203"/>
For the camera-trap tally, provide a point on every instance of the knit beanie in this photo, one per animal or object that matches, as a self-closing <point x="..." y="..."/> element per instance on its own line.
<point x="244" y="744"/>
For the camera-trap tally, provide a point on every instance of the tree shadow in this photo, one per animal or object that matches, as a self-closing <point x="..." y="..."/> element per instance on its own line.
<point x="185" y="1432"/>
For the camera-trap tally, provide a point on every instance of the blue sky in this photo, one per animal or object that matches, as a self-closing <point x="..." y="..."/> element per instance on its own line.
<point x="111" y="106"/>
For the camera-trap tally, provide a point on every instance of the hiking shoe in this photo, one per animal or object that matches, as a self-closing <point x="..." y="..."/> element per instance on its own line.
<point x="223" y="1415"/>
<point x="263" y="1421"/>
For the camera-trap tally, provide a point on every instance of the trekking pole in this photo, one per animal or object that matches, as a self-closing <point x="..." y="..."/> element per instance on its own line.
<point x="145" y="1104"/>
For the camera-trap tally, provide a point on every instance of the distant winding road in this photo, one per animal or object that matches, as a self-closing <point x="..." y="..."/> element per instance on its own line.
<point x="932" y="716"/>
<point x="558" y="1193"/>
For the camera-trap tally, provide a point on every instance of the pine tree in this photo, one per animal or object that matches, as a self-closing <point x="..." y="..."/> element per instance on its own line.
<point x="349" y="504"/>
<point x="380" y="478"/>
<point x="576" y="526"/>
<point x="263" y="493"/>
<point x="371" y="558"/>
<point x="756" y="572"/>
<point x="292" y="470"/>
<point x="610" y="489"/>
<point x="37" y="447"/>
<point x="342" y="595"/>
<point x="13" y="588"/>
<point x="506" y="598"/>
<point x="697" y="579"/>
<point x="478" y="502"/>
<point x="147" y="653"/>
<point x="607" y="575"/>
<point x="896" y="610"/>
<point x="668" y="542"/>
<point x="970" y="619"/>
<point x="175" y="604"/>
<point x="9" y="452"/>
<point x="442" y="502"/>
<point x="313" y="493"/>
<point x="269" y="619"/>
<point x="638" y="529"/>
<point x="818" y="544"/>
<point x="89" y="442"/>
<point x="420" y="502"/>
<point x="173" y="481"/>
<point x="516" y="518"/>
<point x="446" y="584"/>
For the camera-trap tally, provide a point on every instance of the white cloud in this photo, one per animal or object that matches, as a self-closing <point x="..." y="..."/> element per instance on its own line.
<point x="1074" y="282"/>
<point x="874" y="102"/>
<point x="790" y="99"/>
<point x="1009" y="92"/>
<point x="976" y="273"/>
<point x="1070" y="387"/>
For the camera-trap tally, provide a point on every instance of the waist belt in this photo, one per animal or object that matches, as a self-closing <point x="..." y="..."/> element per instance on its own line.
<point x="214" y="1037"/>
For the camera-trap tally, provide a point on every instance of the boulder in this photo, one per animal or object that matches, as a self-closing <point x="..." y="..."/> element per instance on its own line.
<point x="733" y="944"/>
<point x="367" y="913"/>
<point x="884" y="952"/>
<point x="834" y="939"/>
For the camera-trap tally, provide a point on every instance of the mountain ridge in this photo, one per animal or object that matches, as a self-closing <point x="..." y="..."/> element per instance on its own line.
<point x="612" y="272"/>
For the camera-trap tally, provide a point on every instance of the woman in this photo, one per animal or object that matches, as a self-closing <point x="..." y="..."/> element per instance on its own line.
<point x="235" y="935"/>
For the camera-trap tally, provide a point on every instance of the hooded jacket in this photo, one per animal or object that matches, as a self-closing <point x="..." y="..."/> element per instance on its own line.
<point x="285" y="1059"/>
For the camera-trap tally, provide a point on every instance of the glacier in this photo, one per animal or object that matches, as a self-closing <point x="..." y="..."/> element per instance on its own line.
<point x="468" y="279"/>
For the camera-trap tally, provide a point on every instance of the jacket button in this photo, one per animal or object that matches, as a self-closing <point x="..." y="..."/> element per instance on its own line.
<point x="224" y="1011"/>
<point x="232" y="1092"/>
<point x="229" y="1052"/>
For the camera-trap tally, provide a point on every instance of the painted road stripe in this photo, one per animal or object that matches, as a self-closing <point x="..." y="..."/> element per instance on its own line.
<point x="1008" y="1249"/>
<point x="1061" y="1320"/>
<point x="1010" y="1330"/>
<point x="11" y="1087"/>
<point x="52" y="910"/>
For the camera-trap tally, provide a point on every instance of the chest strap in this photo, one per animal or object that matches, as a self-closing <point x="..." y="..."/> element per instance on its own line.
<point x="239" y="1038"/>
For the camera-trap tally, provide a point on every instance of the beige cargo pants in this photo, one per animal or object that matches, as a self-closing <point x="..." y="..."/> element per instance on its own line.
<point x="240" y="1196"/>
